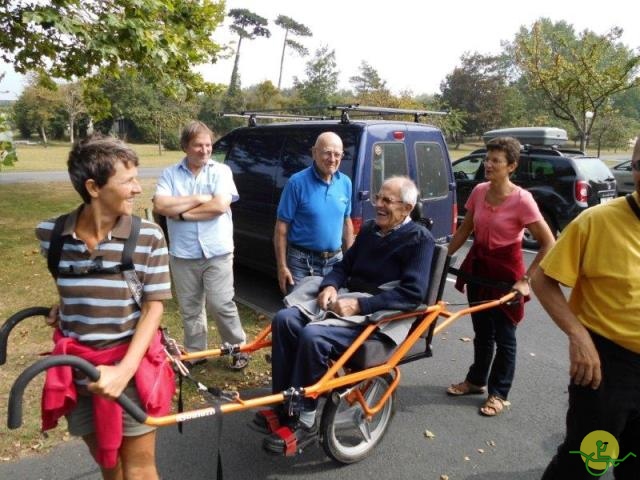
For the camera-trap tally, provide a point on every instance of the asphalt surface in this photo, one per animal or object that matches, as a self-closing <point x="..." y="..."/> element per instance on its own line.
<point x="517" y="445"/>
<point x="62" y="176"/>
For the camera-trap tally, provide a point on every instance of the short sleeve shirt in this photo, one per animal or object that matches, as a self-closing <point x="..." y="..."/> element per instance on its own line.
<point x="498" y="226"/>
<point x="598" y="255"/>
<point x="98" y="309"/>
<point x="315" y="210"/>
<point x="205" y="238"/>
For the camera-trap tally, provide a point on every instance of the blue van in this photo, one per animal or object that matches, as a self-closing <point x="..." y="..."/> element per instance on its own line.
<point x="263" y="157"/>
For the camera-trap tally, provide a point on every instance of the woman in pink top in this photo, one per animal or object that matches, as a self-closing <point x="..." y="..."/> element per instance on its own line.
<point x="497" y="213"/>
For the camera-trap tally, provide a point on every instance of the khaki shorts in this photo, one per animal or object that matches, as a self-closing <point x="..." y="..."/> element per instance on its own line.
<point x="80" y="419"/>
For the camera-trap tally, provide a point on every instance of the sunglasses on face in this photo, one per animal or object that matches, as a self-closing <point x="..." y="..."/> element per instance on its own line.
<point x="635" y="165"/>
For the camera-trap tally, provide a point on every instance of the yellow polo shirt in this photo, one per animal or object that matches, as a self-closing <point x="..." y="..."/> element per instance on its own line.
<point x="598" y="255"/>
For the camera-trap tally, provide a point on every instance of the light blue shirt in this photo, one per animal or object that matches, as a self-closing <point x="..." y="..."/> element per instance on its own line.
<point x="205" y="238"/>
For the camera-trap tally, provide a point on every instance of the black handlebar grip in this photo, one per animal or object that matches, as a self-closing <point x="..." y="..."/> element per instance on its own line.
<point x="12" y="321"/>
<point x="14" y="417"/>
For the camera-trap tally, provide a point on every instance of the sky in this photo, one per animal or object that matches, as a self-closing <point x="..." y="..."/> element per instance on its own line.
<point x="413" y="44"/>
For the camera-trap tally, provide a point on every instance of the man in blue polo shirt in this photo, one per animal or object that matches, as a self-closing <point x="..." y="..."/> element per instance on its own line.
<point x="313" y="224"/>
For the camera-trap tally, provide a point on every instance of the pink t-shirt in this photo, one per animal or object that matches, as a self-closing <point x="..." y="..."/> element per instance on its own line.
<point x="497" y="226"/>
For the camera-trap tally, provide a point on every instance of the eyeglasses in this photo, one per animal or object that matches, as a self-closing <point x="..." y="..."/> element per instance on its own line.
<point x="635" y="165"/>
<point x="332" y="153"/>
<point x="493" y="161"/>
<point x="385" y="200"/>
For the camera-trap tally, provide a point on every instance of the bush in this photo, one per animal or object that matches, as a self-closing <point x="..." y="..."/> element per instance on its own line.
<point x="171" y="141"/>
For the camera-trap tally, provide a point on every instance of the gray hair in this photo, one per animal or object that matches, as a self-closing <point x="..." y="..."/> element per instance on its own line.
<point x="408" y="189"/>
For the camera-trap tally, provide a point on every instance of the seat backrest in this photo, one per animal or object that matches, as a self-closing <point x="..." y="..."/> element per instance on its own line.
<point x="437" y="280"/>
<point x="438" y="271"/>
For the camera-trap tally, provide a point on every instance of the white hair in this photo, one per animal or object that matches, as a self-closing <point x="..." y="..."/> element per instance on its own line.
<point x="408" y="189"/>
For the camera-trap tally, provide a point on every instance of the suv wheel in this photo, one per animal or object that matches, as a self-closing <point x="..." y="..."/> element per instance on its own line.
<point x="528" y="241"/>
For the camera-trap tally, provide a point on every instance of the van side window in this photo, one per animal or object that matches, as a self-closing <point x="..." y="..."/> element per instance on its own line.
<point x="432" y="178"/>
<point x="220" y="150"/>
<point x="252" y="160"/>
<point x="389" y="159"/>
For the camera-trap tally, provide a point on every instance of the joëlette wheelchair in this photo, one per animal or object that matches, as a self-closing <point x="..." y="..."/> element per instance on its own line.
<point x="359" y="386"/>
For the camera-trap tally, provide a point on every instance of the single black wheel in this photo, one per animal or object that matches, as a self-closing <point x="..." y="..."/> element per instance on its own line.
<point x="346" y="435"/>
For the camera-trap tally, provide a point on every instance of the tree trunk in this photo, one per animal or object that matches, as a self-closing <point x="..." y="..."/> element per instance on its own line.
<point x="284" y="47"/>
<point x="43" y="135"/>
<point x="71" y="128"/>
<point x="234" y="74"/>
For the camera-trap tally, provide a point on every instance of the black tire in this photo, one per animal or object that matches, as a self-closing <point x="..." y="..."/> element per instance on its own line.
<point x="346" y="435"/>
<point x="529" y="242"/>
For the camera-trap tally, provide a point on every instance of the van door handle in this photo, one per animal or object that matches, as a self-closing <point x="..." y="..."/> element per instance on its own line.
<point x="363" y="195"/>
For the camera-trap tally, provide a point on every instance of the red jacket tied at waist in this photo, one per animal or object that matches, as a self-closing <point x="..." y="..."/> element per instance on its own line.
<point x="154" y="382"/>
<point x="503" y="264"/>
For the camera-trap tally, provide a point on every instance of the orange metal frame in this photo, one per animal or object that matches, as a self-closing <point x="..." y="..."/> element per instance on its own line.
<point x="333" y="378"/>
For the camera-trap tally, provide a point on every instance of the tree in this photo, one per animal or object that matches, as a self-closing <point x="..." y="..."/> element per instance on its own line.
<point x="249" y="25"/>
<point x="371" y="89"/>
<point x="72" y="38"/>
<point x="290" y="25"/>
<point x="322" y="79"/>
<point x="146" y="113"/>
<point x="368" y="80"/>
<point x="7" y="149"/>
<point x="73" y="105"/>
<point x="37" y="106"/>
<point x="612" y="130"/>
<point x="575" y="73"/>
<point x="478" y="87"/>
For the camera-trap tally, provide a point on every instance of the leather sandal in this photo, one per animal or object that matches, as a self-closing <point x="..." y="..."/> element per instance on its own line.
<point x="494" y="405"/>
<point x="464" y="388"/>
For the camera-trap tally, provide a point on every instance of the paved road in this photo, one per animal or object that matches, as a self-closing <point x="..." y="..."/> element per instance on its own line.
<point x="515" y="446"/>
<point x="61" y="176"/>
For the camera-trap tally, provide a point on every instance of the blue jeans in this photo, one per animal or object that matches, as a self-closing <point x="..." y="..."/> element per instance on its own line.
<point x="301" y="350"/>
<point x="303" y="264"/>
<point x="493" y="330"/>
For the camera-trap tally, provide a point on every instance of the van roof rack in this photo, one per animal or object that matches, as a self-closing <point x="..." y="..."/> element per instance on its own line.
<point x="417" y="114"/>
<point x="271" y="115"/>
<point x="363" y="110"/>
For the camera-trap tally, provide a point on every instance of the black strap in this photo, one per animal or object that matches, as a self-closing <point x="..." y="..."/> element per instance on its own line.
<point x="633" y="204"/>
<point x="481" y="281"/>
<point x="126" y="266"/>
<point x="218" y="427"/>
<point x="55" y="245"/>
<point x="130" y="245"/>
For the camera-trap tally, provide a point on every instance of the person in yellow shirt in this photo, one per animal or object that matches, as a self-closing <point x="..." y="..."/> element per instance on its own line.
<point x="598" y="256"/>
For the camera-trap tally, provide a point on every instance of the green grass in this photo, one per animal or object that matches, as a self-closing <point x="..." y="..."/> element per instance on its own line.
<point x="33" y="158"/>
<point x="26" y="282"/>
<point x="54" y="157"/>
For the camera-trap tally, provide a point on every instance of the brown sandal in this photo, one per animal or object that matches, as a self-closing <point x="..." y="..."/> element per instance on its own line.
<point x="464" y="388"/>
<point x="493" y="406"/>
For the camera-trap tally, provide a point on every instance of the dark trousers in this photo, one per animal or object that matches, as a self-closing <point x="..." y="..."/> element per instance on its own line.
<point x="301" y="351"/>
<point x="494" y="332"/>
<point x="613" y="407"/>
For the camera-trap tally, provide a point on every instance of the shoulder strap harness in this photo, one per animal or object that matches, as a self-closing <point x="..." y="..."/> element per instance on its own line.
<point x="126" y="266"/>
